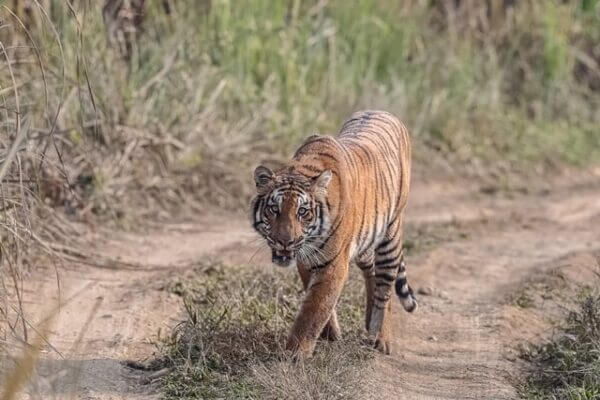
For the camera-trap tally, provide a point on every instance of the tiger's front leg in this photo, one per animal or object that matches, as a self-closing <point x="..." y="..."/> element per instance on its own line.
<point x="321" y="297"/>
<point x="332" y="330"/>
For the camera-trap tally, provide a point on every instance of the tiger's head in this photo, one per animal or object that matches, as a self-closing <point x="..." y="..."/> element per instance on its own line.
<point x="290" y="211"/>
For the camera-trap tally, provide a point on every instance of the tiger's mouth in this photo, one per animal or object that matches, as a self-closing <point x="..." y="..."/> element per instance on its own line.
<point x="283" y="258"/>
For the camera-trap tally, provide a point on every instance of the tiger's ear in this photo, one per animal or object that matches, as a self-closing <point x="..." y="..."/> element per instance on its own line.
<point x="322" y="181"/>
<point x="262" y="176"/>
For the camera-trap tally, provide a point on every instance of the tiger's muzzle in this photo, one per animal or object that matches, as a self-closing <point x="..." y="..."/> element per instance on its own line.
<point x="283" y="258"/>
<point x="283" y="255"/>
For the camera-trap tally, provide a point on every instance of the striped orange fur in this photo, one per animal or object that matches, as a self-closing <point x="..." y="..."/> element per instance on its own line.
<point x="340" y="200"/>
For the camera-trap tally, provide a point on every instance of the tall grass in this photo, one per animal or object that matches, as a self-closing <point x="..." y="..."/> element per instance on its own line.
<point x="214" y="86"/>
<point x="26" y="224"/>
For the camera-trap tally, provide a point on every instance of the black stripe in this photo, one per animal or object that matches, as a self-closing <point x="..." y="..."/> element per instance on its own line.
<point x="399" y="284"/>
<point x="380" y="284"/>
<point x="393" y="221"/>
<point x="320" y="217"/>
<point x="385" y="261"/>
<point x="385" y="277"/>
<point x="386" y="187"/>
<point x="257" y="205"/>
<point x="311" y="168"/>
<point x="256" y="225"/>
<point x="382" y="299"/>
<point x="304" y="148"/>
<point x="385" y="243"/>
<point x="391" y="266"/>
<point x="362" y="220"/>
<point x="377" y="143"/>
<point x="384" y="150"/>
<point x="364" y="266"/>
<point x="332" y="232"/>
<point x="296" y="191"/>
<point x="374" y="229"/>
<point x="386" y="252"/>
<point x="327" y="155"/>
<point x="349" y="160"/>
<point x="326" y="263"/>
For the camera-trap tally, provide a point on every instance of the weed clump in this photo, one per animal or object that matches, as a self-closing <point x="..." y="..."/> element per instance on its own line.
<point x="231" y="342"/>
<point x="568" y="368"/>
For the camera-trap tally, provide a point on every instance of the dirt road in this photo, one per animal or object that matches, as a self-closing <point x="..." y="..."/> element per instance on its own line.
<point x="475" y="252"/>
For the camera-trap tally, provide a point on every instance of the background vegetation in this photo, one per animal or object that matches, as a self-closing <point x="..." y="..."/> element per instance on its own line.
<point x="178" y="111"/>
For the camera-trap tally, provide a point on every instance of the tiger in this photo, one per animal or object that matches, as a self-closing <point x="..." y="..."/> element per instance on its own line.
<point x="340" y="200"/>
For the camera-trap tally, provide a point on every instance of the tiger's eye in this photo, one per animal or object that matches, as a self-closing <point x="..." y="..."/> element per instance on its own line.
<point x="274" y="209"/>
<point x="302" y="211"/>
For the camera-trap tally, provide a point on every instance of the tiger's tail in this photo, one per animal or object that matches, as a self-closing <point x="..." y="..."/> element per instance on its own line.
<point x="403" y="289"/>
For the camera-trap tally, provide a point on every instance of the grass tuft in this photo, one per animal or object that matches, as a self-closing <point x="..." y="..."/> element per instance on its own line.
<point x="568" y="367"/>
<point x="230" y="344"/>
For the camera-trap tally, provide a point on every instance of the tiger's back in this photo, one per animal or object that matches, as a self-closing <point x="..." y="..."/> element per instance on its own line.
<point x="378" y="145"/>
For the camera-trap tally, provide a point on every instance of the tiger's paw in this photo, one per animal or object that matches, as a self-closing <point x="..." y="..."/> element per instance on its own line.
<point x="383" y="345"/>
<point x="331" y="332"/>
<point x="300" y="356"/>
<point x="380" y="343"/>
<point x="300" y="350"/>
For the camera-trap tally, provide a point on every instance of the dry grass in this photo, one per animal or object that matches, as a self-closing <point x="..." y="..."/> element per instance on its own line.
<point x="567" y="368"/>
<point x="27" y="227"/>
<point x="209" y="88"/>
<point x="230" y="345"/>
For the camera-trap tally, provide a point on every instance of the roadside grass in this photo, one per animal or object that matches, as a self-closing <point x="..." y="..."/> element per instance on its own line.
<point x="213" y="87"/>
<point x="568" y="367"/>
<point x="236" y="322"/>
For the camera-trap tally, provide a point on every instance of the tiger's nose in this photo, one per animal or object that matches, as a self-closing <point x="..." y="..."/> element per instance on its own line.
<point x="286" y="243"/>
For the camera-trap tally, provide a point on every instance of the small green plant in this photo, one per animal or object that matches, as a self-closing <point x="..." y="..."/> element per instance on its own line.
<point x="522" y="299"/>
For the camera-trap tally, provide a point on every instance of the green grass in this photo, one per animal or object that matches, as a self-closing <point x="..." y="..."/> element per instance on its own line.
<point x="568" y="367"/>
<point x="522" y="299"/>
<point x="215" y="86"/>
<point x="230" y="344"/>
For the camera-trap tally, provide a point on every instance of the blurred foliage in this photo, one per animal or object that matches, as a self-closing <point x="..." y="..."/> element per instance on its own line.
<point x="211" y="87"/>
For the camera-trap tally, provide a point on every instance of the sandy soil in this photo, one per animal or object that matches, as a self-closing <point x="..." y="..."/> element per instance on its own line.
<point x="459" y="345"/>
